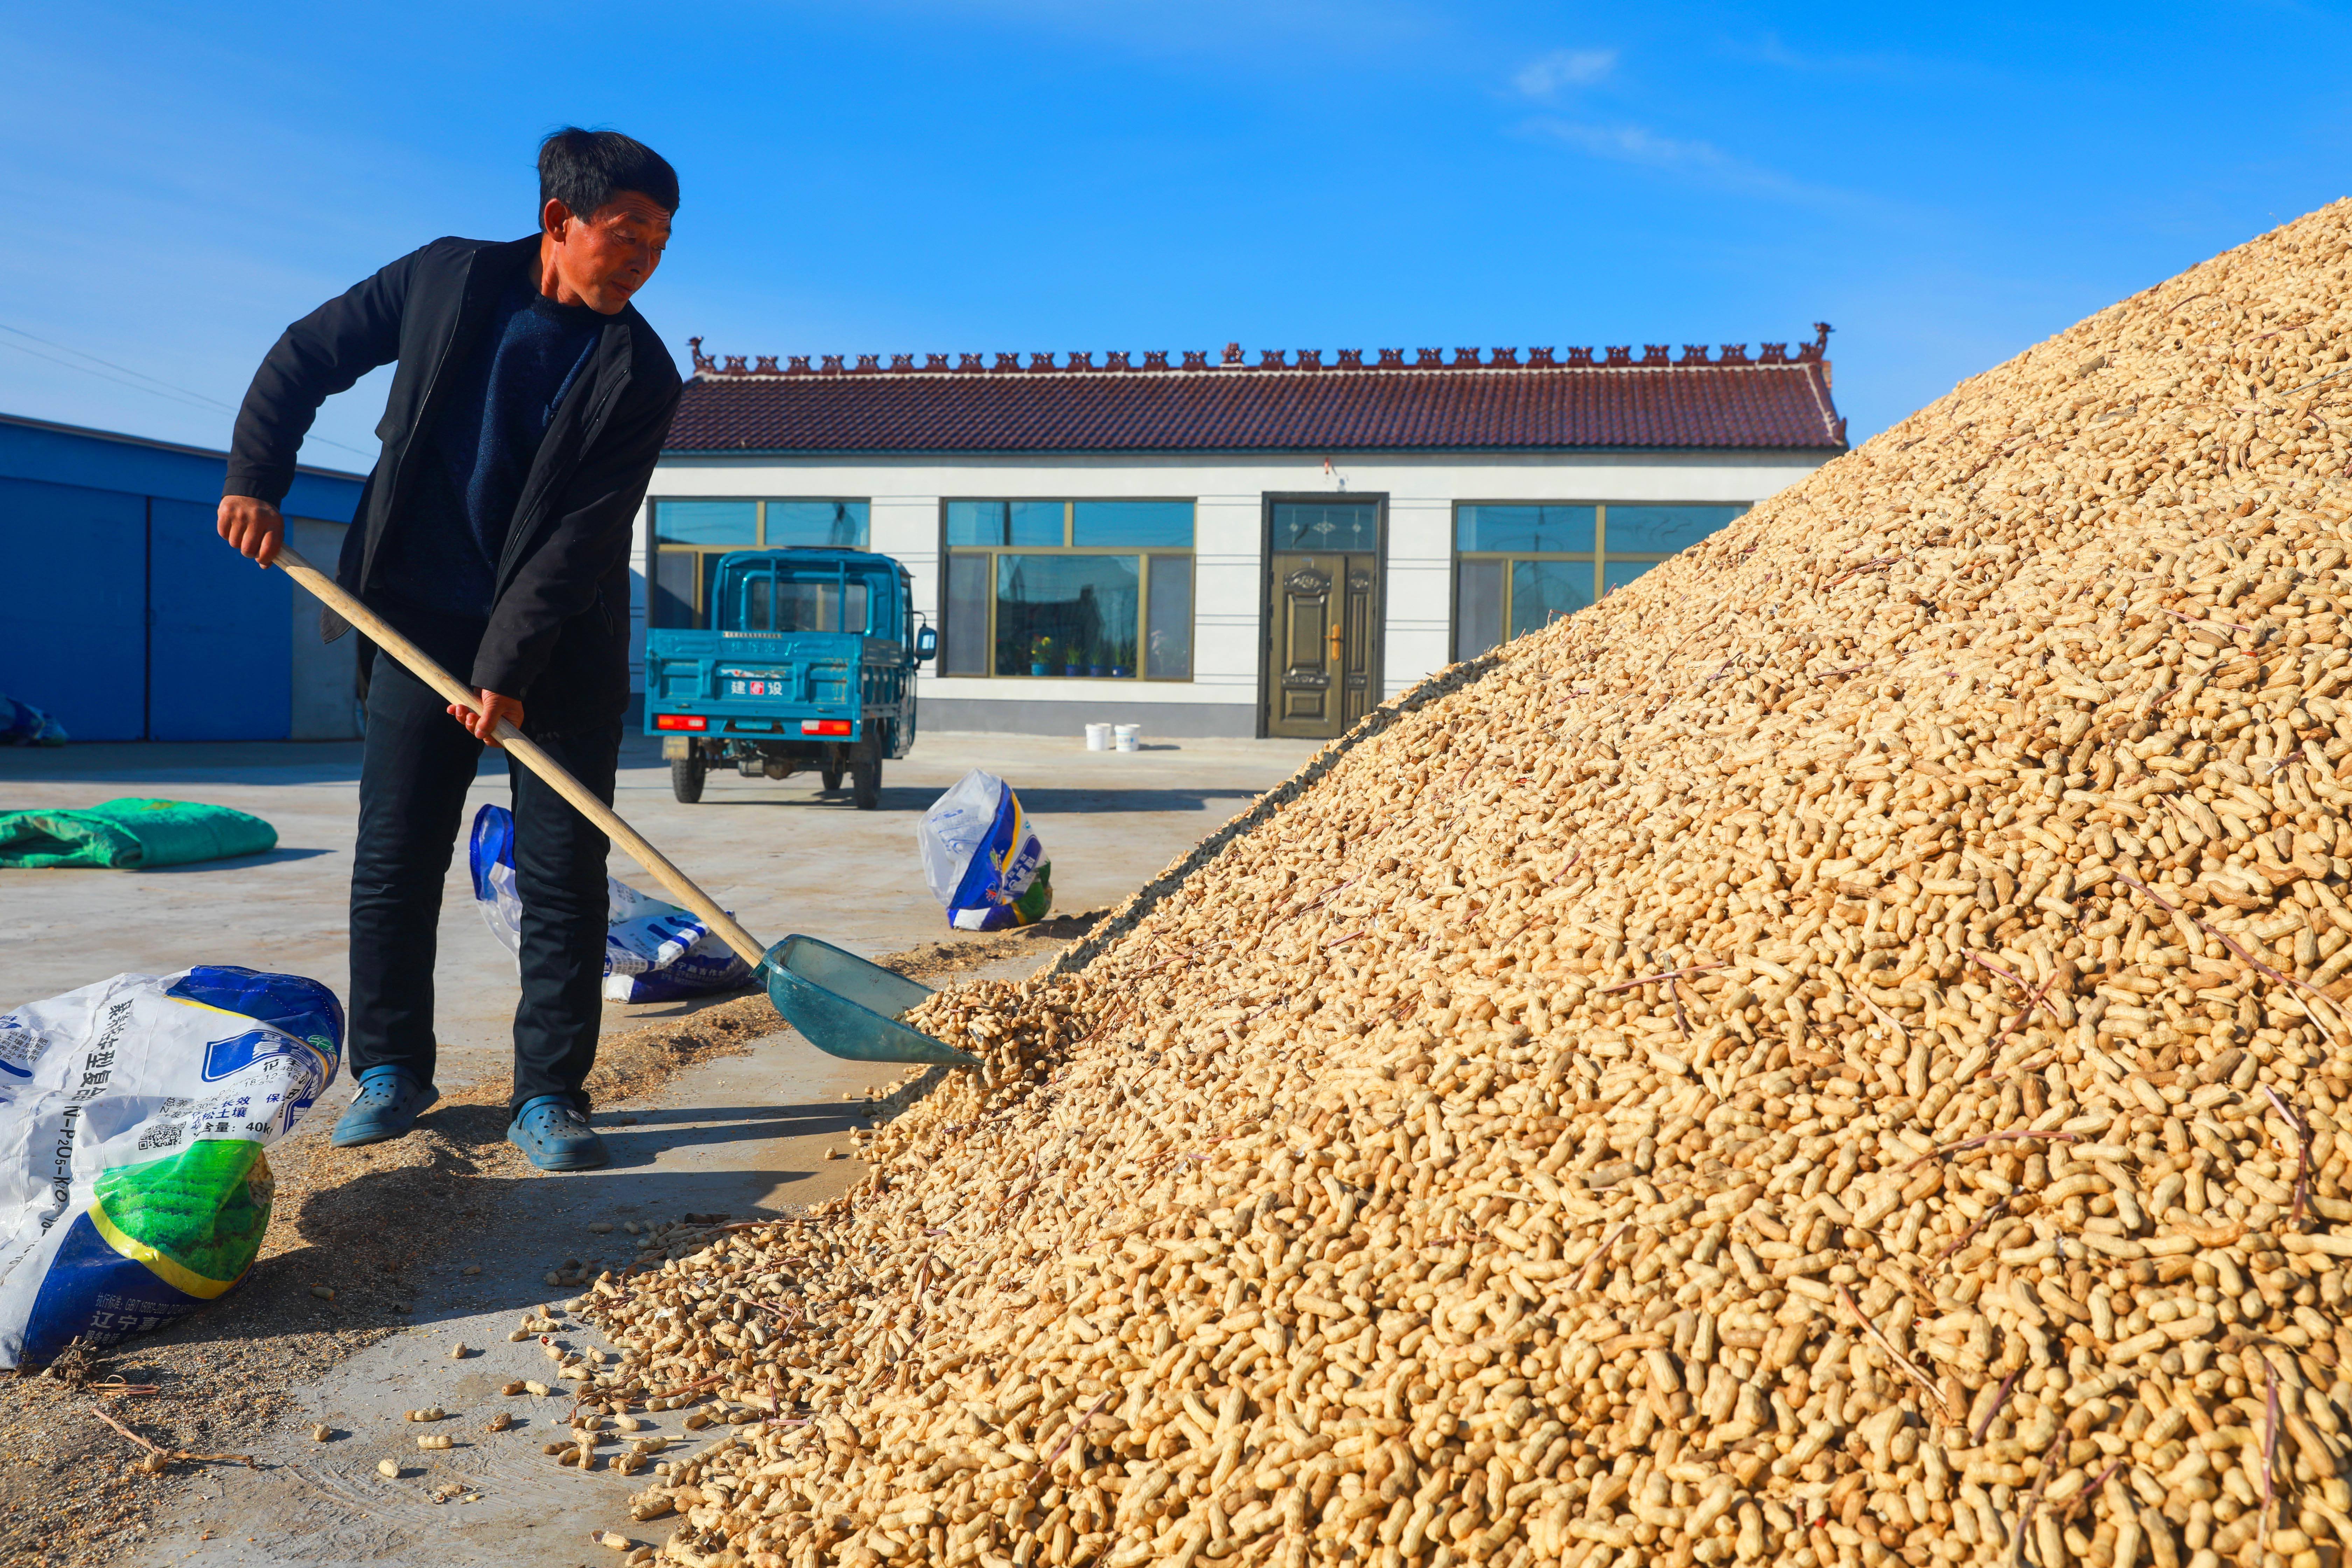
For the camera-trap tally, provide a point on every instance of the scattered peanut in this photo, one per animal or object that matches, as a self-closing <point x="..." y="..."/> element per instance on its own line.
<point x="387" y="1468"/>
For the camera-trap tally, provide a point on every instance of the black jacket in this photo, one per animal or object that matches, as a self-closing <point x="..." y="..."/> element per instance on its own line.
<point x="558" y="629"/>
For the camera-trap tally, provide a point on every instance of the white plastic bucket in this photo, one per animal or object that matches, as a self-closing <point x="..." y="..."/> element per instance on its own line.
<point x="1097" y="737"/>
<point x="1127" y="737"/>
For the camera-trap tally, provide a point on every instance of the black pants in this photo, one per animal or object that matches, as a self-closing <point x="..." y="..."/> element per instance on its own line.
<point x="417" y="765"/>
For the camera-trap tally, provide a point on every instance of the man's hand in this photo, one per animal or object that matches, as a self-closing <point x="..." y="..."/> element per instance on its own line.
<point x="481" y="720"/>
<point x="253" y="526"/>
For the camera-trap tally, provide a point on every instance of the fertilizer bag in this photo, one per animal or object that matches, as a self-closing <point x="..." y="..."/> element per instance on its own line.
<point x="983" y="859"/>
<point x="654" y="952"/>
<point x="133" y="1114"/>
<point x="22" y="724"/>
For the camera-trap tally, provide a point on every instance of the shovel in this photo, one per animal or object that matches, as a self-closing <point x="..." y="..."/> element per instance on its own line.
<point x="842" y="1004"/>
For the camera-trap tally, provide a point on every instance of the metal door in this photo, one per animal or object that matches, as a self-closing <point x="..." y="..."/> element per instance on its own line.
<point x="73" y="637"/>
<point x="1326" y="615"/>
<point x="221" y="663"/>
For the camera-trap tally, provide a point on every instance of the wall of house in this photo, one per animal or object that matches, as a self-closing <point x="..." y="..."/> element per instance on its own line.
<point x="1229" y="493"/>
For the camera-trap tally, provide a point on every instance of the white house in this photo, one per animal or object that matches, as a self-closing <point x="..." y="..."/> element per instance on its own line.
<point x="1222" y="548"/>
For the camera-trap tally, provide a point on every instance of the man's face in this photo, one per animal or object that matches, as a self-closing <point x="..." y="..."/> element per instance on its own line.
<point x="606" y="257"/>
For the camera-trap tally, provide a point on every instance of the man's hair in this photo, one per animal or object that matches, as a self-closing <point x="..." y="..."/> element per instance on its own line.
<point x="586" y="168"/>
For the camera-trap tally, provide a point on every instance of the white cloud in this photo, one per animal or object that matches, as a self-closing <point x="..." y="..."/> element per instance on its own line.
<point x="1546" y="74"/>
<point x="1699" y="161"/>
<point x="1636" y="144"/>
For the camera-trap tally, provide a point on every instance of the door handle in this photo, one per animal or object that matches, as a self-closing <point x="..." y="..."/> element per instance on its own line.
<point x="1337" y="639"/>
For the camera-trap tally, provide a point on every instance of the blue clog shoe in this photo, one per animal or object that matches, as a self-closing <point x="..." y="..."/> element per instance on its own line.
<point x="554" y="1136"/>
<point x="387" y="1106"/>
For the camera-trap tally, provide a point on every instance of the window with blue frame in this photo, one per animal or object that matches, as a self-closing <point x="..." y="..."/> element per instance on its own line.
<point x="1061" y="588"/>
<point x="1519" y="566"/>
<point x="690" y="535"/>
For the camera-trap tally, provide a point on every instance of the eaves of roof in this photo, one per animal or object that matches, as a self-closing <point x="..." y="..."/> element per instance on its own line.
<point x="1727" y="404"/>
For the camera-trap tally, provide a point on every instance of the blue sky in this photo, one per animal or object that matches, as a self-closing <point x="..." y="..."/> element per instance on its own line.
<point x="1945" y="184"/>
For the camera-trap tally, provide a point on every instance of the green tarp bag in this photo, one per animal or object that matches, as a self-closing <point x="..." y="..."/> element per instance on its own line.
<point x="128" y="835"/>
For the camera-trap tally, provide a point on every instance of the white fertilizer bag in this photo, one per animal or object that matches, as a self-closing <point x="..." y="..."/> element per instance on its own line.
<point x="133" y="1114"/>
<point x="654" y="952"/>
<point x="982" y="856"/>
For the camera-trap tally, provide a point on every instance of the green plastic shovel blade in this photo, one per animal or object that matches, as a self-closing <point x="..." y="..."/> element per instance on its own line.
<point x="847" y="1007"/>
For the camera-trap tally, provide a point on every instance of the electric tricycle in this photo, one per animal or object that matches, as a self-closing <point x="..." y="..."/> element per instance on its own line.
<point x="807" y="665"/>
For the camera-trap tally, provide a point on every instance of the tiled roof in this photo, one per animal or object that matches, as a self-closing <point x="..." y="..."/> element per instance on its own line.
<point x="1283" y="403"/>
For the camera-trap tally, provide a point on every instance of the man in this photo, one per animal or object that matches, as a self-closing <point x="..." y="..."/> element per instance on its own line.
<point x="530" y="402"/>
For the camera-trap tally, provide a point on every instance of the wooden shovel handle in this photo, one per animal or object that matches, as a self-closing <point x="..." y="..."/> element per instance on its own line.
<point x="528" y="752"/>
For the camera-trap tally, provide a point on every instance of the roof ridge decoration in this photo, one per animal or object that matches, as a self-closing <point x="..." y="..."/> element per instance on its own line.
<point x="1122" y="362"/>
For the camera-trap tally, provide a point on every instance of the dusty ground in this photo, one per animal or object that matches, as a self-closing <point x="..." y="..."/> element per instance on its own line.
<point x="388" y="1229"/>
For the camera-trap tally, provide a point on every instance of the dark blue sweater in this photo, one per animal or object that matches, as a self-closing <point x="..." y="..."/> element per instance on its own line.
<point x="442" y="553"/>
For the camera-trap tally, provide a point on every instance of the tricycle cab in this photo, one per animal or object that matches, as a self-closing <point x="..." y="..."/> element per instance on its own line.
<point x="807" y="663"/>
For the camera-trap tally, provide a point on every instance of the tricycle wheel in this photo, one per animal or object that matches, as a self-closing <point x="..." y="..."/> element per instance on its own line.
<point x="866" y="777"/>
<point x="685" y="775"/>
<point x="832" y="779"/>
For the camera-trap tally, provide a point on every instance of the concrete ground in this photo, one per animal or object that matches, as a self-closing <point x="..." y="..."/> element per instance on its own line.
<point x="781" y="856"/>
<point x="745" y="1135"/>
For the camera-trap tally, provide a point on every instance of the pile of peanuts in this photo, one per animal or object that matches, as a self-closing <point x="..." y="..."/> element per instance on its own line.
<point x="1835" y="1054"/>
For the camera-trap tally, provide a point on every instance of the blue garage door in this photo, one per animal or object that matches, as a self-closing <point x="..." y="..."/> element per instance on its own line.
<point x="72" y="641"/>
<point x="222" y="662"/>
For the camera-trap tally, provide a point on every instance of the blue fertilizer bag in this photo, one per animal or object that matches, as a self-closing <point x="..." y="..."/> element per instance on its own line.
<point x="22" y="724"/>
<point x="983" y="858"/>
<point x="654" y="952"/>
<point x="134" y="1115"/>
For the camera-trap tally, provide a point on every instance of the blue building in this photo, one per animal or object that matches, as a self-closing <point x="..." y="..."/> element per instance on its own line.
<point x="125" y="616"/>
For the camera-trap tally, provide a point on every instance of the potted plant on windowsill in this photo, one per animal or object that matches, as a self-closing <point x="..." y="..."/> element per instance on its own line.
<point x="1041" y="656"/>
